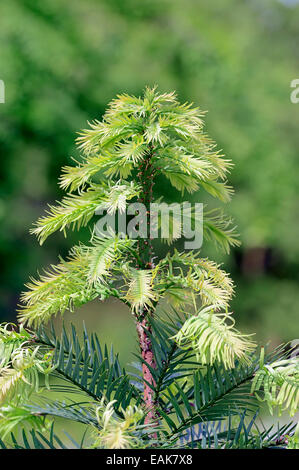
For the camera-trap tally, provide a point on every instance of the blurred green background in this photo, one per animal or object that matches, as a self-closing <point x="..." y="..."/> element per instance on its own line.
<point x="63" y="61"/>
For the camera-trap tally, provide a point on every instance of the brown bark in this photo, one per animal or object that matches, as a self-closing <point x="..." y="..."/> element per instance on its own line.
<point x="146" y="178"/>
<point x="144" y="331"/>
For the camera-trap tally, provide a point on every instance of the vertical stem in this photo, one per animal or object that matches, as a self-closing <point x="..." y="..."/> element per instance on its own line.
<point x="143" y="325"/>
<point x="144" y="330"/>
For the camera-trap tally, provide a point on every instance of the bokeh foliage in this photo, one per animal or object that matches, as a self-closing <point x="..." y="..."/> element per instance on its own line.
<point x="63" y="61"/>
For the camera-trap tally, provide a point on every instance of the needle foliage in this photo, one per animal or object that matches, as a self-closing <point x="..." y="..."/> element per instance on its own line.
<point x="198" y="381"/>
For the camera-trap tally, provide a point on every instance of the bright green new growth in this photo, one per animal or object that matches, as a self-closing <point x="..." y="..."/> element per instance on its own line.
<point x="131" y="129"/>
<point x="280" y="383"/>
<point x="209" y="335"/>
<point x="118" y="433"/>
<point x="195" y="368"/>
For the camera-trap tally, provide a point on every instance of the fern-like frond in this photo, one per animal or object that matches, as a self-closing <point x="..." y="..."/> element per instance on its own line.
<point x="118" y="433"/>
<point x="62" y="288"/>
<point x="177" y="159"/>
<point x="103" y="253"/>
<point x="89" y="139"/>
<point x="74" y="282"/>
<point x="75" y="177"/>
<point x="14" y="417"/>
<point x="140" y="292"/>
<point x="76" y="210"/>
<point x="213" y="339"/>
<point x="180" y="148"/>
<point x="181" y="181"/>
<point x="278" y="384"/>
<point x="218" y="189"/>
<point x="10" y="340"/>
<point x="133" y="150"/>
<point x="101" y="256"/>
<point x="218" y="228"/>
<point x="242" y="432"/>
<point x="118" y="195"/>
<point x="77" y="412"/>
<point x="104" y="135"/>
<point x="214" y="394"/>
<point x="38" y="439"/>
<point x="199" y="275"/>
<point x="11" y="381"/>
<point x="85" y="366"/>
<point x="125" y="105"/>
<point x="73" y="210"/>
<point x="21" y="376"/>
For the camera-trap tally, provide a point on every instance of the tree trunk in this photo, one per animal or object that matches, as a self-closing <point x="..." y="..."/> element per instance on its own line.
<point x="146" y="179"/>
<point x="144" y="331"/>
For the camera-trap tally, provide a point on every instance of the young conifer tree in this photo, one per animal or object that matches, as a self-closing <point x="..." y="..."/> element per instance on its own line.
<point x="194" y="362"/>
